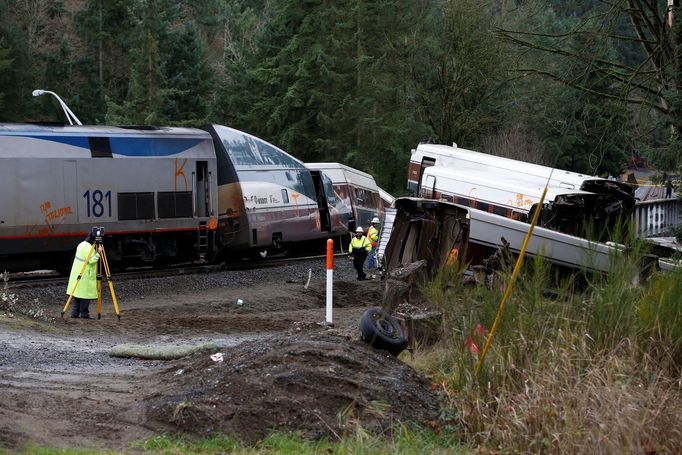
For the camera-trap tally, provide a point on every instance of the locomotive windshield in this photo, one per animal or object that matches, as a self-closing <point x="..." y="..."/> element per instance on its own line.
<point x="245" y="150"/>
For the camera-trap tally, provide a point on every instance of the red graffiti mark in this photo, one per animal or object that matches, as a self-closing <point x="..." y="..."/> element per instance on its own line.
<point x="51" y="218"/>
<point x="180" y="171"/>
<point x="295" y="196"/>
<point x="45" y="206"/>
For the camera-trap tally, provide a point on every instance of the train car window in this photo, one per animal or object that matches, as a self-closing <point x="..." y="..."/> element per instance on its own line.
<point x="376" y="200"/>
<point x="361" y="197"/>
<point x="285" y="196"/>
<point x="135" y="206"/>
<point x="174" y="204"/>
<point x="329" y="190"/>
<point x="245" y="150"/>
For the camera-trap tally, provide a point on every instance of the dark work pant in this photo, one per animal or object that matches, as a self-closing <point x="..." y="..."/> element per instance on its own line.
<point x="80" y="308"/>
<point x="359" y="256"/>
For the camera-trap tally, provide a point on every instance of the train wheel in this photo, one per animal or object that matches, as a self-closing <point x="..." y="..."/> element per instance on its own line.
<point x="382" y="331"/>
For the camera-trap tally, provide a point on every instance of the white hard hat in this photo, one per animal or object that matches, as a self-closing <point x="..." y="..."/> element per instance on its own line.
<point x="359" y="230"/>
<point x="375" y="220"/>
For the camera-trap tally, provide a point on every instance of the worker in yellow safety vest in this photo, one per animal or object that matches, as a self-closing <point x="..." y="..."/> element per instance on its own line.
<point x="87" y="287"/>
<point x="373" y="236"/>
<point x="359" y="248"/>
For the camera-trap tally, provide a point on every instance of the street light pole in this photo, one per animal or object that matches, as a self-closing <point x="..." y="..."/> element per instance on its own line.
<point x="70" y="116"/>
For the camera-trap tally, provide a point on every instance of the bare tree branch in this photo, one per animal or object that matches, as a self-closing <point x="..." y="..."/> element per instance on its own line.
<point x="631" y="100"/>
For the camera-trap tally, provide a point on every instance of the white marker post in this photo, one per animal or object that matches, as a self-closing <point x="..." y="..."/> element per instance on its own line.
<point x="330" y="280"/>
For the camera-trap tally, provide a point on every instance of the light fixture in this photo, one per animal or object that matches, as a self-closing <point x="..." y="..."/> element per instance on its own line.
<point x="70" y="116"/>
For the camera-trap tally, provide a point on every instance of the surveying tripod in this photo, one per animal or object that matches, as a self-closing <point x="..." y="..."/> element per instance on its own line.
<point x="102" y="265"/>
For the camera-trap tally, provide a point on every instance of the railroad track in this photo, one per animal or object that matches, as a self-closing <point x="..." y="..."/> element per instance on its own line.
<point x="48" y="278"/>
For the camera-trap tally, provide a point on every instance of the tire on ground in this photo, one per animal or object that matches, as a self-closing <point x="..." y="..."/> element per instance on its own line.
<point x="382" y="331"/>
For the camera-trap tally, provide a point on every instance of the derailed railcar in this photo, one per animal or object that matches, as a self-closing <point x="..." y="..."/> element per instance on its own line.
<point x="435" y="232"/>
<point x="359" y="197"/>
<point x="575" y="204"/>
<point x="152" y="189"/>
<point x="268" y="199"/>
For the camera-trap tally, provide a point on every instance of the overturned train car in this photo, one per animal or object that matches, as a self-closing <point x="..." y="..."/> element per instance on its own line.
<point x="576" y="204"/>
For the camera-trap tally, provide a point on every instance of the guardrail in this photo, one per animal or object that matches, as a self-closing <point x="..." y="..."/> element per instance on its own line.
<point x="657" y="217"/>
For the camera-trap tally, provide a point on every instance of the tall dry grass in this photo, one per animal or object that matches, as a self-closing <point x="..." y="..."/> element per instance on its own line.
<point x="592" y="367"/>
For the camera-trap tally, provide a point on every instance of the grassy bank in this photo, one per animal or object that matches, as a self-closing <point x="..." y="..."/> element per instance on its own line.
<point x="593" y="366"/>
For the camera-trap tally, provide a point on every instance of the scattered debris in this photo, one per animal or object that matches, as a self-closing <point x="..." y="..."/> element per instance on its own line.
<point x="217" y="357"/>
<point x="158" y="352"/>
<point x="382" y="331"/>
<point x="310" y="275"/>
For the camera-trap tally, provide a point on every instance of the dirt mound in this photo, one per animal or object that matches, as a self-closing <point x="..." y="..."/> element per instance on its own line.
<point x="318" y="384"/>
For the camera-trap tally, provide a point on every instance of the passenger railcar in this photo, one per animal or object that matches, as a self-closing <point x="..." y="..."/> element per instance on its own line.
<point x="152" y="189"/>
<point x="359" y="198"/>
<point x="427" y="155"/>
<point x="268" y="199"/>
<point x="163" y="195"/>
<point x="575" y="204"/>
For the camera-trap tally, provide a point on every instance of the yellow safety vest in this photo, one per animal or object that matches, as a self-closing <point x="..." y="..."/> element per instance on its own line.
<point x="359" y="243"/>
<point x="87" y="287"/>
<point x="373" y="235"/>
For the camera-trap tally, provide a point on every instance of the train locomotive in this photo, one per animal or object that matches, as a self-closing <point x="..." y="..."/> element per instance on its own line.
<point x="163" y="194"/>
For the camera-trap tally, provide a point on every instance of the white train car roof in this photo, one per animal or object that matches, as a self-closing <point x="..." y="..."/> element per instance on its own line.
<point x="58" y="141"/>
<point x="453" y="156"/>
<point x="491" y="186"/>
<point x="338" y="172"/>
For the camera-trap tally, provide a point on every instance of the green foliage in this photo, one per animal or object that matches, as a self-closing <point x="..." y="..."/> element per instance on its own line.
<point x="5" y="62"/>
<point x="104" y="58"/>
<point x="335" y="95"/>
<point x="660" y="314"/>
<point x="359" y="82"/>
<point x="457" y="70"/>
<point x="406" y="440"/>
<point x="579" y="130"/>
<point x="147" y="89"/>
<point x="190" y="77"/>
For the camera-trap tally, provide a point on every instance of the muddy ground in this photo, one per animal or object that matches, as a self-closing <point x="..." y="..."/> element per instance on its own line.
<point x="282" y="369"/>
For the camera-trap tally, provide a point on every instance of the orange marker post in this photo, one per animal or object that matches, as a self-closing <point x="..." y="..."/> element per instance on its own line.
<point x="330" y="279"/>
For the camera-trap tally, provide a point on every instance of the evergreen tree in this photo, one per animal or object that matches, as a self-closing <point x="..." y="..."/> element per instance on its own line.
<point x="5" y="64"/>
<point x="461" y="70"/>
<point x="147" y="92"/>
<point x="189" y="79"/>
<point x="104" y="29"/>
<point x="577" y="130"/>
<point x="327" y="83"/>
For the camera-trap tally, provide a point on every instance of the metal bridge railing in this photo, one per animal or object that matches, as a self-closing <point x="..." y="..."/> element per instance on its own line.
<point x="657" y="217"/>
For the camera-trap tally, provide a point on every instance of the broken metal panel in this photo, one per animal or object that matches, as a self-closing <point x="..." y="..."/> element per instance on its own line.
<point x="590" y="215"/>
<point x="487" y="231"/>
<point x="385" y="232"/>
<point x="426" y="230"/>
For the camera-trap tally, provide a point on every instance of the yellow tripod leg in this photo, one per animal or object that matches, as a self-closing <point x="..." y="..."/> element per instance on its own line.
<point x="78" y="280"/>
<point x="111" y="284"/>
<point x="99" y="288"/>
